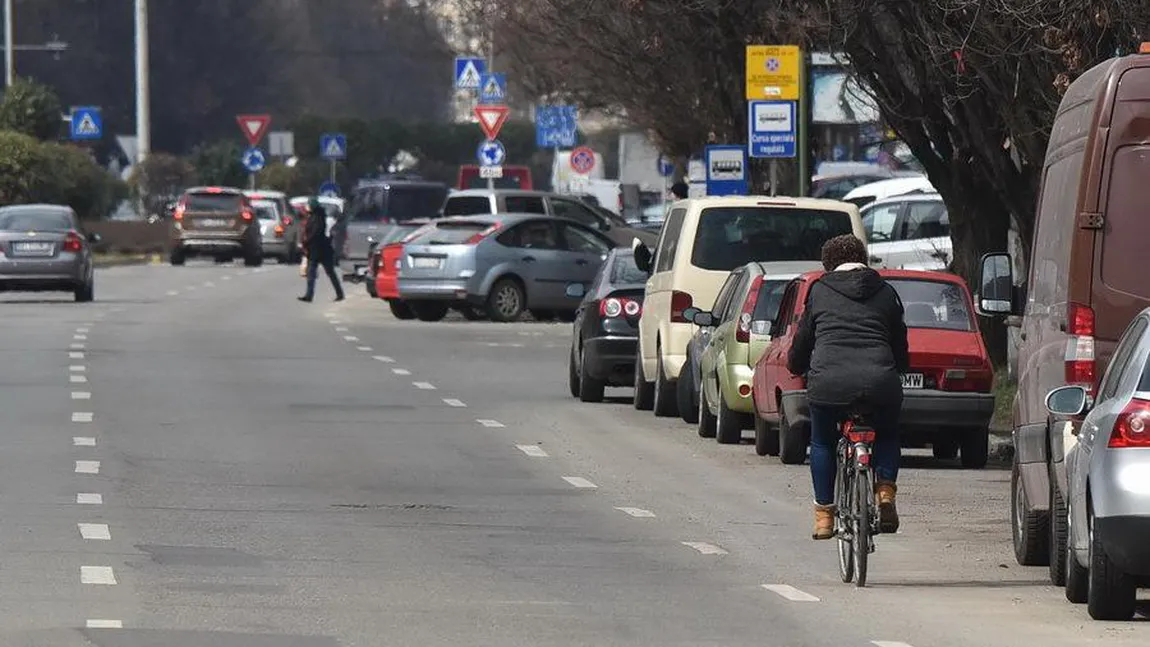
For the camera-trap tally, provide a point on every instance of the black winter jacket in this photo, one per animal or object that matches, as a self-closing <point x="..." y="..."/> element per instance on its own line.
<point x="851" y="340"/>
<point x="315" y="233"/>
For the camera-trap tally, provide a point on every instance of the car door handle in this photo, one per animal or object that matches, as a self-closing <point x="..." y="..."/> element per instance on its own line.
<point x="528" y="259"/>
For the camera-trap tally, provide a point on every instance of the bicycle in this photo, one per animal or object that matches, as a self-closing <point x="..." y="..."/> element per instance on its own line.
<point x="856" y="510"/>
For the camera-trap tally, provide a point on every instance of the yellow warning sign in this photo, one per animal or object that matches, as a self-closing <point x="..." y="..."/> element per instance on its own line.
<point x="774" y="72"/>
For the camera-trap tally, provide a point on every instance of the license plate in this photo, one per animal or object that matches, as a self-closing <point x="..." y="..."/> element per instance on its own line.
<point x="215" y="222"/>
<point x="425" y="262"/>
<point x="32" y="249"/>
<point x="912" y="381"/>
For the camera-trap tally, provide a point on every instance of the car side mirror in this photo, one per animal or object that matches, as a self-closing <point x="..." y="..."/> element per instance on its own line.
<point x="94" y="237"/>
<point x="642" y="257"/>
<point x="996" y="296"/>
<point x="1068" y="401"/>
<point x="700" y="318"/>
<point x="576" y="290"/>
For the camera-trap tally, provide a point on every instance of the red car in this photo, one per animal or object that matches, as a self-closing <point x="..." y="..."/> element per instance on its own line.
<point x="947" y="399"/>
<point x="383" y="267"/>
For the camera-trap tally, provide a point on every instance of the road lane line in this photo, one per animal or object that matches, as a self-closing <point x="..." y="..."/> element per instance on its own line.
<point x="532" y="450"/>
<point x="889" y="643"/>
<point x="103" y="624"/>
<point x="81" y="395"/>
<point x="77" y="368"/>
<point x="80" y="337"/>
<point x="490" y="423"/>
<point x="209" y="284"/>
<point x="173" y="293"/>
<point x="191" y="288"/>
<point x="82" y="416"/>
<point x="89" y="498"/>
<point x="452" y="402"/>
<point x="366" y="349"/>
<point x="87" y="467"/>
<point x="329" y="315"/>
<point x="95" y="531"/>
<point x="426" y="386"/>
<point x="226" y="277"/>
<point x="83" y="441"/>
<point x="791" y="593"/>
<point x="401" y="371"/>
<point x="82" y="330"/>
<point x="341" y="329"/>
<point x="77" y="379"/>
<point x="97" y="575"/>
<point x="76" y="355"/>
<point x="637" y="512"/>
<point x="77" y="346"/>
<point x="579" y="482"/>
<point x="350" y="338"/>
<point x="705" y="548"/>
<point x="384" y="358"/>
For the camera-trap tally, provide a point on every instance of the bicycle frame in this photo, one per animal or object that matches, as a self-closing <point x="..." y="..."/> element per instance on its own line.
<point x="856" y="516"/>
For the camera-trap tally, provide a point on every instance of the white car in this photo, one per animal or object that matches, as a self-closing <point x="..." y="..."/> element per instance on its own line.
<point x="863" y="195"/>
<point x="908" y="232"/>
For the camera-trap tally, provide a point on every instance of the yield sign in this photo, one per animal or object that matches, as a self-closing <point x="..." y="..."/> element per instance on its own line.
<point x="254" y="127"/>
<point x="491" y="119"/>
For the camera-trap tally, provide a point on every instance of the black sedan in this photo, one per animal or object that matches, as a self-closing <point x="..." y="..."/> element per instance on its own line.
<point x="605" y="337"/>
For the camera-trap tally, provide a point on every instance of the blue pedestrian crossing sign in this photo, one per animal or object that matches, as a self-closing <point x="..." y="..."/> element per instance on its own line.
<point x="329" y="190"/>
<point x="254" y="160"/>
<point x="87" y="124"/>
<point x="493" y="88"/>
<point x="491" y="153"/>
<point x="468" y="69"/>
<point x="333" y="146"/>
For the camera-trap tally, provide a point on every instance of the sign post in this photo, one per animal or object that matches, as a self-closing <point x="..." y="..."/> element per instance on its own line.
<point x="253" y="127"/>
<point x="491" y="119"/>
<point x="254" y="161"/>
<point x="86" y="123"/>
<point x="333" y="148"/>
<point x="775" y="76"/>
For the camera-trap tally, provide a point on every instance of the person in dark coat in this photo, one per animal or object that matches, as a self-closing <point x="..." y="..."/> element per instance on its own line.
<point x="319" y="251"/>
<point x="851" y="345"/>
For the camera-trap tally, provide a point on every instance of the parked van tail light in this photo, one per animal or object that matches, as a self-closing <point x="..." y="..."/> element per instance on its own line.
<point x="743" y="332"/>
<point x="477" y="238"/>
<point x="680" y="301"/>
<point x="1080" y="347"/>
<point x="73" y="243"/>
<point x="618" y="306"/>
<point x="1132" y="428"/>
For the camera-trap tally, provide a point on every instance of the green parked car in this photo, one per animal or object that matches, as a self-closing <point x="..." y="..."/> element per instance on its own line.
<point x="732" y="337"/>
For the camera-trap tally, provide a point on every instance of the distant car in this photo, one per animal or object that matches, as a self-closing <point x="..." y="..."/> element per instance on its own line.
<point x="382" y="274"/>
<point x="273" y="232"/>
<point x="606" y="331"/>
<point x="908" y="232"/>
<point x="285" y="243"/>
<point x="217" y="222"/>
<point x="947" y="399"/>
<point x="863" y="195"/>
<point x="504" y="264"/>
<point x="378" y="205"/>
<point x="42" y="249"/>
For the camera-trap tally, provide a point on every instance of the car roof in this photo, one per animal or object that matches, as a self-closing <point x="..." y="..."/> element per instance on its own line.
<point x="507" y="219"/>
<point x="785" y="269"/>
<point x="36" y="207"/>
<point x="765" y="201"/>
<point x="399" y="181"/>
<point x="904" y="197"/>
<point x="919" y="275"/>
<point x="891" y="187"/>
<point x="266" y="192"/>
<point x="219" y="190"/>
<point x="490" y="192"/>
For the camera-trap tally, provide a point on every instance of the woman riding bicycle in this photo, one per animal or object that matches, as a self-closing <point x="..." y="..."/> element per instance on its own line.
<point x="851" y="345"/>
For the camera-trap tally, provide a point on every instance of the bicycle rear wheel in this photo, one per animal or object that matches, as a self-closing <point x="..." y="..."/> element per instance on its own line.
<point x="861" y="513"/>
<point x="844" y="489"/>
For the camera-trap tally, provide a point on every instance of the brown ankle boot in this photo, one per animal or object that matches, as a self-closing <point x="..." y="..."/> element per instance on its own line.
<point x="887" y="510"/>
<point x="824" y="522"/>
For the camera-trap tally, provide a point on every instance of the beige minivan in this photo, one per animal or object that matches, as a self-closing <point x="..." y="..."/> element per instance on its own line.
<point x="702" y="240"/>
<point x="1087" y="282"/>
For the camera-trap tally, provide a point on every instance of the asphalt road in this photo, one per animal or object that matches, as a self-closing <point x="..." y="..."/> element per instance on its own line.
<point x="196" y="459"/>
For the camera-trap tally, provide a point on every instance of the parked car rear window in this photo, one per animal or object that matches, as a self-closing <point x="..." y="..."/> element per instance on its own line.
<point x="265" y="211"/>
<point x="213" y="202"/>
<point x="729" y="237"/>
<point x="35" y="220"/>
<point x="624" y="270"/>
<point x="770" y="298"/>
<point x="524" y="204"/>
<point x="933" y="304"/>
<point x="410" y="202"/>
<point x="450" y="233"/>
<point x="468" y="205"/>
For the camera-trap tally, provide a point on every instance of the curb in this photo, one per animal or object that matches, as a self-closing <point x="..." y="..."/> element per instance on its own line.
<point x="153" y="259"/>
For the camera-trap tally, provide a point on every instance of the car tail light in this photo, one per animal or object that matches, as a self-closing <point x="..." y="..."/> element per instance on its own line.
<point x="474" y="240"/>
<point x="743" y="332"/>
<point x="180" y="209"/>
<point x="279" y="231"/>
<point x="1080" y="364"/>
<point x="1132" y="428"/>
<point x="744" y="390"/>
<point x="73" y="243"/>
<point x="680" y="301"/>
<point x="287" y="221"/>
<point x="247" y="215"/>
<point x="967" y="380"/>
<point x="619" y="306"/>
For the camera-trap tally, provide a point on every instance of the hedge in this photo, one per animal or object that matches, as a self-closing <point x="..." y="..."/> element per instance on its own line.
<point x="48" y="172"/>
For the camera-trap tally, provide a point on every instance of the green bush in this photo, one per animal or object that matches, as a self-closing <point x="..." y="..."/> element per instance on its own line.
<point x="48" y="172"/>
<point x="31" y="109"/>
<point x="19" y="154"/>
<point x="219" y="164"/>
<point x="160" y="177"/>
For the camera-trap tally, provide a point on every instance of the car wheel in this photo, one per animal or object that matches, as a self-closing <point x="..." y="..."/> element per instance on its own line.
<point x="429" y="310"/>
<point x="975" y="448"/>
<point x="766" y="438"/>
<point x="644" y="391"/>
<point x="1077" y="576"/>
<point x="707" y="422"/>
<point x="369" y="285"/>
<point x="506" y="301"/>
<point x="792" y="441"/>
<point x="85" y="292"/>
<point x="469" y="313"/>
<point x="590" y="389"/>
<point x="665" y="405"/>
<point x="177" y="257"/>
<point x="684" y="398"/>
<point x="1110" y="593"/>
<point x="944" y="449"/>
<point x="400" y="309"/>
<point x="1057" y="539"/>
<point x="1028" y="527"/>
<point x="572" y="373"/>
<point x="728" y="427"/>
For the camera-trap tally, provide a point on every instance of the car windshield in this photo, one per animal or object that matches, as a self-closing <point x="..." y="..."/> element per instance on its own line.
<point x="450" y="233"/>
<point x="411" y="202"/>
<point x="770" y="297"/>
<point x="213" y="202"/>
<point x="624" y="271"/>
<point x="933" y="304"/>
<point x="729" y="237"/>
<point x="467" y="205"/>
<point x="35" y="220"/>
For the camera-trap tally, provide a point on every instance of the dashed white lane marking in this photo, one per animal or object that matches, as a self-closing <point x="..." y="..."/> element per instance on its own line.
<point x="80" y="337"/>
<point x="191" y="288"/>
<point x="401" y="371"/>
<point x="95" y="531"/>
<point x="490" y="423"/>
<point x="889" y="643"/>
<point x="83" y="441"/>
<point x="225" y="278"/>
<point x="579" y="482"/>
<point x="87" y="467"/>
<point x="77" y="346"/>
<point x="77" y="368"/>
<point x="209" y="284"/>
<point x="499" y="345"/>
<point x="426" y="386"/>
<point x="384" y="358"/>
<point x="82" y="416"/>
<point x="705" y="548"/>
<point x="329" y="315"/>
<point x="97" y="575"/>
<point x="452" y="402"/>
<point x="366" y="349"/>
<point x="637" y="512"/>
<point x="173" y="293"/>
<point x="77" y="379"/>
<point x="530" y="334"/>
<point x="82" y="330"/>
<point x="89" y="498"/>
<point x="341" y="329"/>
<point x="104" y="624"/>
<point x="76" y="355"/>
<point x="791" y="593"/>
<point x="532" y="450"/>
<point x="81" y="395"/>
<point x="350" y="338"/>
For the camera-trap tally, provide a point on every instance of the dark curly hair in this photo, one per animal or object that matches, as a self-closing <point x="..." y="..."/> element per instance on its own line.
<point x="843" y="249"/>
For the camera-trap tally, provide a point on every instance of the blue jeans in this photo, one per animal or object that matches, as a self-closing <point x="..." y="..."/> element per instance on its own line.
<point x="825" y="439"/>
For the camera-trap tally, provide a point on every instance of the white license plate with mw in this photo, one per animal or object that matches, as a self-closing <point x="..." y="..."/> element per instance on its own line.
<point x="912" y="381"/>
<point x="425" y="262"/>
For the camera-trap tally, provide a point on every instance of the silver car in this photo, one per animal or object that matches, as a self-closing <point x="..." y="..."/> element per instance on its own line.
<point x="376" y="206"/>
<point x="1107" y="504"/>
<point x="273" y="231"/>
<point x="502" y="263"/>
<point x="42" y="250"/>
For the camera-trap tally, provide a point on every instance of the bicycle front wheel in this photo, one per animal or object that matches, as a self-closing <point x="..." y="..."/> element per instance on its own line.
<point x="844" y="492"/>
<point x="861" y="513"/>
